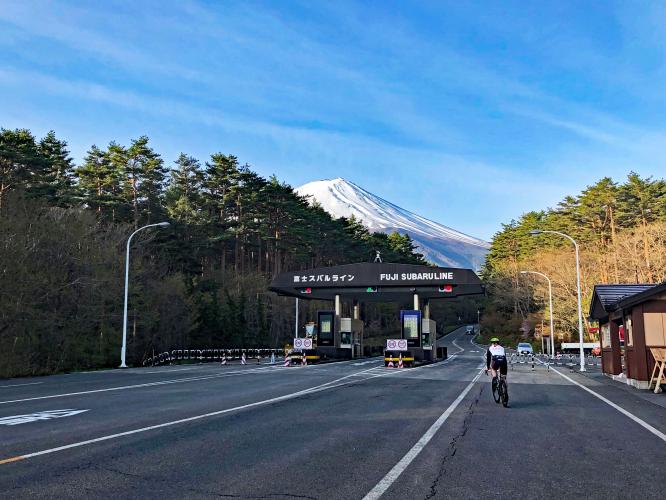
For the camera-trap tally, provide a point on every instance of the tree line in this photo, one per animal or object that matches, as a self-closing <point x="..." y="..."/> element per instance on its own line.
<point x="200" y="283"/>
<point x="621" y="231"/>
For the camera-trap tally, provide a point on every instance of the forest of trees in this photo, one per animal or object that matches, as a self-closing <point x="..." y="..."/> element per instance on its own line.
<point x="199" y="283"/>
<point x="621" y="231"/>
<point x="202" y="282"/>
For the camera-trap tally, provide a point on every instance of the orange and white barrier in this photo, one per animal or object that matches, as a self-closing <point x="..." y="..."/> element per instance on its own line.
<point x="224" y="360"/>
<point x="400" y="365"/>
<point x="243" y="362"/>
<point x="287" y="360"/>
<point x="304" y="359"/>
<point x="390" y="363"/>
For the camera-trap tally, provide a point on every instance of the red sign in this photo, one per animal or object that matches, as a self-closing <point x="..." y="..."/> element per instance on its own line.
<point x="593" y="329"/>
<point x="621" y="332"/>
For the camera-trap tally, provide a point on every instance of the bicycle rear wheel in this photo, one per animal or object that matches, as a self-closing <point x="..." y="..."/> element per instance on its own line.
<point x="496" y="391"/>
<point x="504" y="394"/>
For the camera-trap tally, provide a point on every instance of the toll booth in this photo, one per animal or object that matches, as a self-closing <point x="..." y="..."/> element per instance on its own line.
<point x="341" y="336"/>
<point x="420" y="334"/>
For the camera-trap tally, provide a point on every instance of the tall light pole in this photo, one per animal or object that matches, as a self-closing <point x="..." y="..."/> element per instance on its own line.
<point x="478" y="320"/>
<point x="580" y="301"/>
<point x="550" y="306"/>
<point x="123" y="349"/>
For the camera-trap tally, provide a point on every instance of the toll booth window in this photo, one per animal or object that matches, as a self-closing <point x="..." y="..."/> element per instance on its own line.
<point x="345" y="338"/>
<point x="411" y="327"/>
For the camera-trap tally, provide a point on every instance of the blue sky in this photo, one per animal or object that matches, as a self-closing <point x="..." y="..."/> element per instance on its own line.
<point x="469" y="113"/>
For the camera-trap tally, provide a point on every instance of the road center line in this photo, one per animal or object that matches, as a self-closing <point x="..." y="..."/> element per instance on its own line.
<point x="624" y="412"/>
<point x="318" y="388"/>
<point x="386" y="482"/>
<point x="460" y="349"/>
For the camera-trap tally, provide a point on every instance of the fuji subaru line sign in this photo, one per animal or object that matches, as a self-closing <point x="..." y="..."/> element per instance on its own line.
<point x="412" y="277"/>
<point x="366" y="278"/>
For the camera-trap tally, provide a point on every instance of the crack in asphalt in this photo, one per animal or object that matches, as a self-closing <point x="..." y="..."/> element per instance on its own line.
<point x="453" y="444"/>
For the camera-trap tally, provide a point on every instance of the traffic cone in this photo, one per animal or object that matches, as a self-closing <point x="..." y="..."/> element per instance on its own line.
<point x="272" y="358"/>
<point x="304" y="359"/>
<point x="224" y="359"/>
<point x="287" y="360"/>
<point x="400" y="362"/>
<point x="391" y="365"/>
<point x="243" y="362"/>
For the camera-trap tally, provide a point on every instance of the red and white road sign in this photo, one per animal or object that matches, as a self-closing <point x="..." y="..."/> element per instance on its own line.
<point x="396" y="345"/>
<point x="301" y="343"/>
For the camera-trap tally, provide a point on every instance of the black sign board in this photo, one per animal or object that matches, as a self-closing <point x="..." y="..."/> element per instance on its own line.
<point x="325" y="328"/>
<point x="378" y="282"/>
<point x="410" y="324"/>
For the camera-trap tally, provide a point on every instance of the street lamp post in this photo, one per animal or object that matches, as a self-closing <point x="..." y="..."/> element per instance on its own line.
<point x="123" y="350"/>
<point x="580" y="301"/>
<point x="550" y="306"/>
<point x="478" y="320"/>
<point x="296" y="315"/>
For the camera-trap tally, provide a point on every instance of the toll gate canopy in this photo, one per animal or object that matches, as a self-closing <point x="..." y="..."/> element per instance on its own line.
<point x="378" y="282"/>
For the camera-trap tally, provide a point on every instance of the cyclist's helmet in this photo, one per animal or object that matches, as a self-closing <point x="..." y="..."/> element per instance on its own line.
<point x="494" y="340"/>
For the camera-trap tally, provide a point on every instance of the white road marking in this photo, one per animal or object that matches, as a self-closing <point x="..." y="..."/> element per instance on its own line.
<point x="405" y="461"/>
<point x="147" y="384"/>
<point x="460" y="348"/>
<point x="624" y="412"/>
<point x="318" y="388"/>
<point x="170" y="370"/>
<point x="39" y="416"/>
<point x="20" y="385"/>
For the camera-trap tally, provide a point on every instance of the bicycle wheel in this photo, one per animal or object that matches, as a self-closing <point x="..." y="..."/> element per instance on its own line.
<point x="504" y="394"/>
<point x="496" y="393"/>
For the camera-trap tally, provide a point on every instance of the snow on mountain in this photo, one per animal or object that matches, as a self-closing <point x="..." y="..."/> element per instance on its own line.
<point x="439" y="244"/>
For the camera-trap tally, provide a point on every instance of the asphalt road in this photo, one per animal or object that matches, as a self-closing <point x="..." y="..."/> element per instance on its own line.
<point x="344" y="430"/>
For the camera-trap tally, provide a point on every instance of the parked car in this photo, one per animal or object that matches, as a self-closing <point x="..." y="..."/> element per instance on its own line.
<point x="524" y="348"/>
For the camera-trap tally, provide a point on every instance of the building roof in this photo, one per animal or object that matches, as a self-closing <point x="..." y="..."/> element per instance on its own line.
<point x="607" y="298"/>
<point x="642" y="296"/>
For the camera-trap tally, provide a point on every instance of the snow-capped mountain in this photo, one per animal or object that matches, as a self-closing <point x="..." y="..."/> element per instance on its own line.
<point x="439" y="244"/>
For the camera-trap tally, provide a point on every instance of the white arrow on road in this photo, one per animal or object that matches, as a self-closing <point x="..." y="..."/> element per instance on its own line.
<point x="40" y="415"/>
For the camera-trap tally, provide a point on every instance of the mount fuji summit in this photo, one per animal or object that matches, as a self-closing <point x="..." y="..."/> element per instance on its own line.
<point x="439" y="244"/>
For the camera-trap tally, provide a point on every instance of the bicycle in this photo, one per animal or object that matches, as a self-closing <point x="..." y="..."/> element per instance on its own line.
<point x="500" y="391"/>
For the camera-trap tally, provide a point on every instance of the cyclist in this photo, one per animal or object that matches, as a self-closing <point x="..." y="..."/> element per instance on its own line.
<point x="496" y="359"/>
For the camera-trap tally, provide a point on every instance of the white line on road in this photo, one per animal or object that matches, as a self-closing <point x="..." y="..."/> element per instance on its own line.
<point x="147" y="384"/>
<point x="400" y="467"/>
<point x="318" y="388"/>
<point x="624" y="412"/>
<point x="170" y="370"/>
<point x="460" y="349"/>
<point x="21" y="385"/>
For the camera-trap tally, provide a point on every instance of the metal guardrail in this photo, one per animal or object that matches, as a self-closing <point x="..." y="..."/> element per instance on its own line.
<point x="569" y="360"/>
<point x="210" y="355"/>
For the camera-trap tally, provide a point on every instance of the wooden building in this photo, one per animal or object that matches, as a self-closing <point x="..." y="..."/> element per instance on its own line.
<point x="632" y="319"/>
